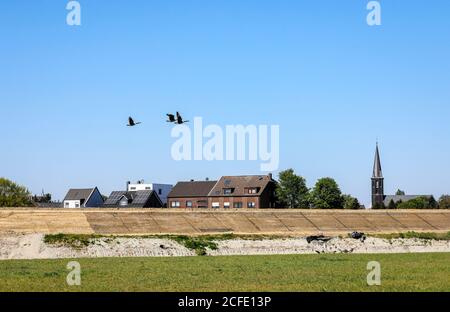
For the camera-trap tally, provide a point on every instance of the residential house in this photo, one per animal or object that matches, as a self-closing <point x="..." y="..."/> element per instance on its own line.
<point x="133" y="199"/>
<point x="249" y="191"/>
<point x="162" y="189"/>
<point x="192" y="194"/>
<point x="83" y="198"/>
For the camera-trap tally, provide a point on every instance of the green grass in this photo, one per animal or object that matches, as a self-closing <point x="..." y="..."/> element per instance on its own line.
<point x="76" y="241"/>
<point x="400" y="272"/>
<point x="421" y="235"/>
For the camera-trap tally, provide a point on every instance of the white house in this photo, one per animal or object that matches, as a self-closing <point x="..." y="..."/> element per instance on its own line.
<point x="83" y="198"/>
<point x="161" y="189"/>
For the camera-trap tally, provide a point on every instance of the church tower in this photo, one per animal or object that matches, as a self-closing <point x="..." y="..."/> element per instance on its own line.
<point x="377" y="181"/>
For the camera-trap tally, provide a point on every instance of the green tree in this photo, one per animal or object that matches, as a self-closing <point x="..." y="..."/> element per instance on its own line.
<point x="400" y="192"/>
<point x="326" y="195"/>
<point x="13" y="195"/>
<point x="422" y="202"/>
<point x="291" y="190"/>
<point x="444" y="202"/>
<point x="392" y="205"/>
<point x="351" y="202"/>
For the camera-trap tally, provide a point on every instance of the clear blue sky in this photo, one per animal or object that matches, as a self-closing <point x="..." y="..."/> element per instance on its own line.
<point x="331" y="82"/>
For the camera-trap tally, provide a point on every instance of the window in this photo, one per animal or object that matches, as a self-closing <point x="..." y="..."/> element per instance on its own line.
<point x="237" y="204"/>
<point x="132" y="188"/>
<point x="159" y="191"/>
<point x="147" y="188"/>
<point x="202" y="204"/>
<point x="77" y="205"/>
<point x="251" y="205"/>
<point x="227" y="191"/>
<point x="216" y="205"/>
<point x="174" y="204"/>
<point x="226" y="205"/>
<point x="123" y="201"/>
<point x="252" y="190"/>
<point x="189" y="204"/>
<point x="66" y="204"/>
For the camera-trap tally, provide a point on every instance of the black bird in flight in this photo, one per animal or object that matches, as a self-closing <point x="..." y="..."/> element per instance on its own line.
<point x="180" y="119"/>
<point x="171" y="117"/>
<point x="132" y="123"/>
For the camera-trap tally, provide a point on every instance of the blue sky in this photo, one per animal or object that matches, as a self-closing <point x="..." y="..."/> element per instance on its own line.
<point x="315" y="68"/>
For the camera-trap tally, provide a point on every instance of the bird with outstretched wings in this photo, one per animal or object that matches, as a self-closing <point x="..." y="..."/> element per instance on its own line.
<point x="132" y="123"/>
<point x="180" y="119"/>
<point x="171" y="118"/>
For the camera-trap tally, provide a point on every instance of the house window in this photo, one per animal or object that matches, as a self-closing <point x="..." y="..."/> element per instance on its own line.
<point x="237" y="204"/>
<point x="133" y="188"/>
<point x="148" y="188"/>
<point x="77" y="205"/>
<point x="226" y="205"/>
<point x="252" y="190"/>
<point x="159" y="191"/>
<point x="251" y="205"/>
<point x="189" y="204"/>
<point x="202" y="204"/>
<point x="175" y="204"/>
<point x="216" y="205"/>
<point x="123" y="201"/>
<point x="227" y="191"/>
<point x="66" y="204"/>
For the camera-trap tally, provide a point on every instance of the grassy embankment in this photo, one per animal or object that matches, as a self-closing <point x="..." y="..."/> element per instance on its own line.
<point x="399" y="272"/>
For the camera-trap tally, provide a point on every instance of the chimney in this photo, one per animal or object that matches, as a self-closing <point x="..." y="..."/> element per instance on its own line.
<point x="207" y="179"/>
<point x="127" y="185"/>
<point x="270" y="176"/>
<point x="192" y="180"/>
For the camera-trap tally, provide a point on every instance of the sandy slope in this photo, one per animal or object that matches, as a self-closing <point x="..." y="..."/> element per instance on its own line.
<point x="31" y="246"/>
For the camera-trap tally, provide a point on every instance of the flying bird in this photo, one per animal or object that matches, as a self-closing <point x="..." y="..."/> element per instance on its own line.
<point x="171" y="118"/>
<point x="180" y="119"/>
<point x="132" y="123"/>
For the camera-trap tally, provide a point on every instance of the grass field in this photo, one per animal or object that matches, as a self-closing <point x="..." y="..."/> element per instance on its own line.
<point x="400" y="272"/>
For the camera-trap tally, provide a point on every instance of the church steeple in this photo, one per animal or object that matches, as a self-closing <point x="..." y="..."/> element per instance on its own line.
<point x="377" y="172"/>
<point x="377" y="181"/>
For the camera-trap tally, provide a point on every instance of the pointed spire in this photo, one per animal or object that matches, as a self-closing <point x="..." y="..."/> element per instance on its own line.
<point x="377" y="173"/>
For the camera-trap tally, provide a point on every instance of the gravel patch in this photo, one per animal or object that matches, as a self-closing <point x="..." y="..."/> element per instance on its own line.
<point x="32" y="246"/>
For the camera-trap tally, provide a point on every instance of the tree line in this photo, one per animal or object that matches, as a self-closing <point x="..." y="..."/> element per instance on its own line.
<point x="292" y="192"/>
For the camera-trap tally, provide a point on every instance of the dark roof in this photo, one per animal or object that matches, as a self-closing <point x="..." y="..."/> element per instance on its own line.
<point x="192" y="189"/>
<point x="49" y="205"/>
<point x="377" y="172"/>
<point x="238" y="184"/>
<point x="79" y="194"/>
<point x="136" y="199"/>
<point x="403" y="198"/>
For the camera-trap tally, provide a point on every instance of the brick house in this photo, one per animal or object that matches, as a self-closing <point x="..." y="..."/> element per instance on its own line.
<point x="192" y="194"/>
<point x="250" y="191"/>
